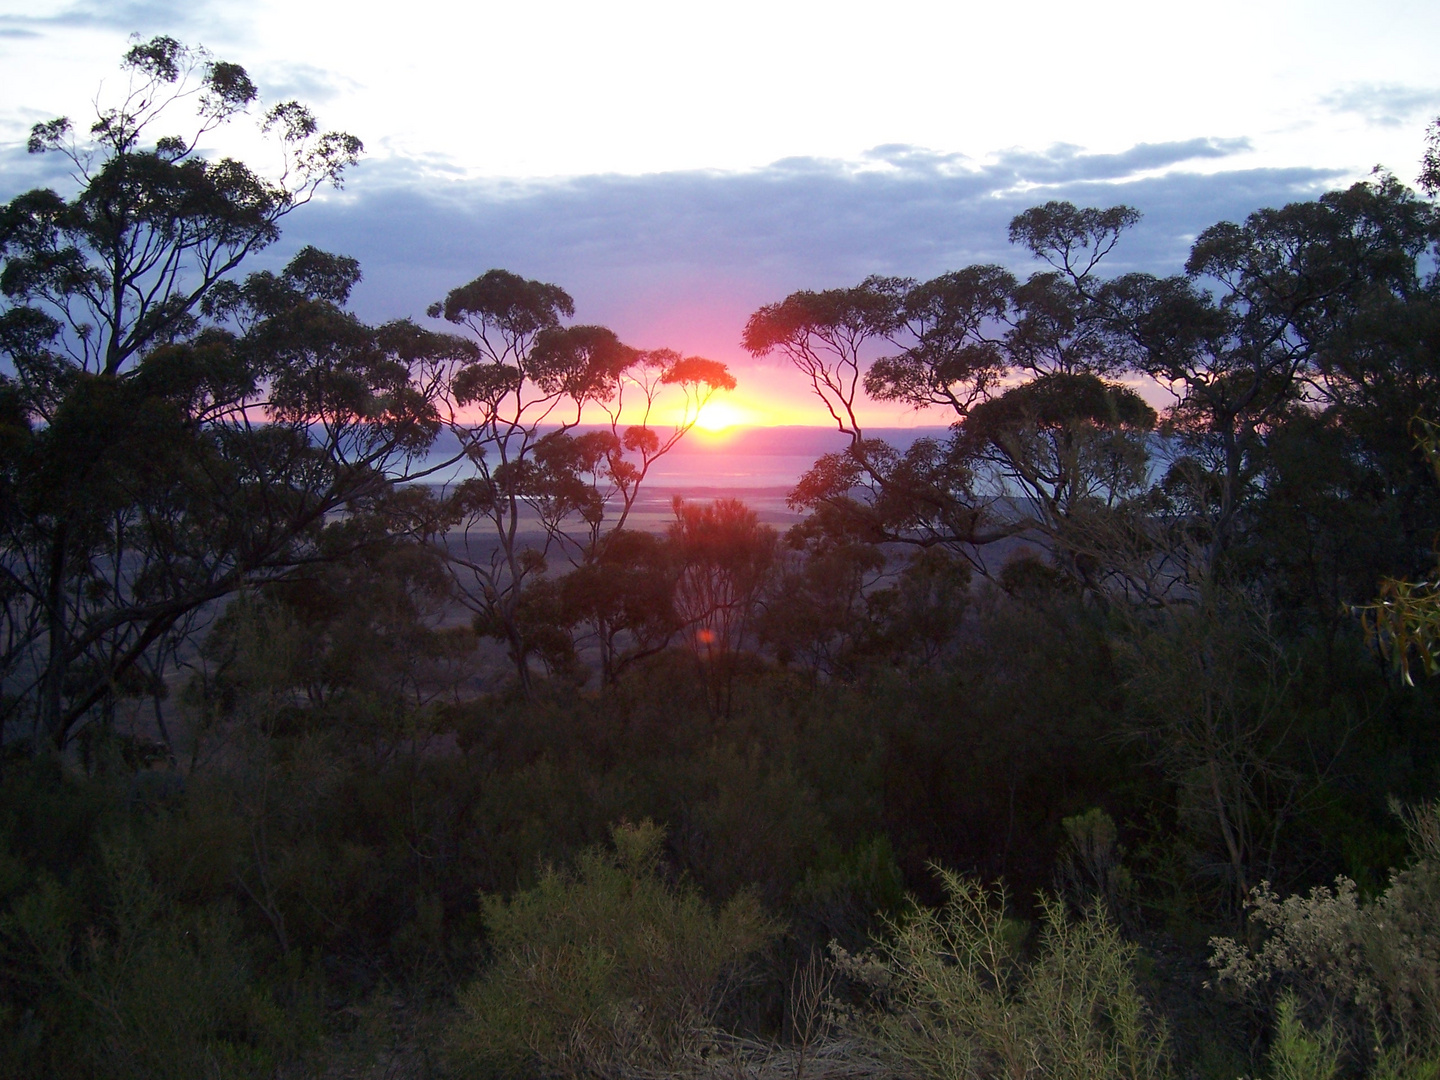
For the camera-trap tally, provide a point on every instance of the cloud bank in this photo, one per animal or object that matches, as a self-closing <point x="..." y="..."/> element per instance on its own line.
<point x="682" y="258"/>
<point x="1384" y="104"/>
<point x="127" y="16"/>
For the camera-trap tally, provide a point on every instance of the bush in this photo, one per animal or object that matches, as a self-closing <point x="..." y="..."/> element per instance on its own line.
<point x="1301" y="1054"/>
<point x="1371" y="969"/>
<point x="606" y="970"/>
<point x="146" y="989"/>
<point x="955" y="998"/>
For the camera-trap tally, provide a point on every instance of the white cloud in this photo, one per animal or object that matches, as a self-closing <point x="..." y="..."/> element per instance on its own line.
<point x="1385" y="104"/>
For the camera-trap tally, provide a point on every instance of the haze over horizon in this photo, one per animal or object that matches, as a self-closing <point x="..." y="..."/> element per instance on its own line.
<point x="674" y="169"/>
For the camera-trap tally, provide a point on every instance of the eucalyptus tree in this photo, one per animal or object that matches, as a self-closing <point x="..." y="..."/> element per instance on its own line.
<point x="172" y="434"/>
<point x="153" y="223"/>
<point x="559" y="425"/>
<point x="1304" y="327"/>
<point x="1300" y="344"/>
<point x="1047" y="442"/>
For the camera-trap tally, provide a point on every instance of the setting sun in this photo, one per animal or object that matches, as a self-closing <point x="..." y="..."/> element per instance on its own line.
<point x="719" y="415"/>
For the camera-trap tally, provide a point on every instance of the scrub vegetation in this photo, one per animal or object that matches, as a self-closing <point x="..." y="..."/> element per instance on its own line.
<point x="1094" y="739"/>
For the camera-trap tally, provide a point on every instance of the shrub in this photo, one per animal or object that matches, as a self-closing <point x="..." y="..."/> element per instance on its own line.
<point x="146" y="989"/>
<point x="955" y="998"/>
<point x="1298" y="1053"/>
<point x="606" y="970"/>
<point x="1372" y="969"/>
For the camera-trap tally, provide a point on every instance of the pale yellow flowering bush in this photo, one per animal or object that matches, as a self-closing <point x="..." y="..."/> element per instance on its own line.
<point x="1370" y="969"/>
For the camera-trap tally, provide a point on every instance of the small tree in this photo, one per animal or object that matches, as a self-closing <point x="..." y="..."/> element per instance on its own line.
<point x="1209" y="686"/>
<point x="625" y="591"/>
<point x="725" y="557"/>
<point x="545" y="487"/>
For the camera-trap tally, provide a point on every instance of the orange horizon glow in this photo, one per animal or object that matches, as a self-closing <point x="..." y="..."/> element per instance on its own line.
<point x="727" y="411"/>
<point x="772" y="396"/>
<point x="749" y="405"/>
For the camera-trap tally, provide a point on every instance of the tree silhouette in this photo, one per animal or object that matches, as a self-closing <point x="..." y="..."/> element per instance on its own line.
<point x="171" y="435"/>
<point x="545" y="488"/>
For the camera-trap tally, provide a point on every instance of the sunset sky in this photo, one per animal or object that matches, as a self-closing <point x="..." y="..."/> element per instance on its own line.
<point x="675" y="166"/>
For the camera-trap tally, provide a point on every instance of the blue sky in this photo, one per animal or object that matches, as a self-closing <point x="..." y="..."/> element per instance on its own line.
<point x="676" y="166"/>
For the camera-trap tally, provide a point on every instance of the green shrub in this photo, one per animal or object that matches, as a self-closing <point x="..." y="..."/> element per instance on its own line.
<point x="1090" y="870"/>
<point x="955" y="998"/>
<point x="138" y="987"/>
<point x="1298" y="1053"/>
<point x="604" y="970"/>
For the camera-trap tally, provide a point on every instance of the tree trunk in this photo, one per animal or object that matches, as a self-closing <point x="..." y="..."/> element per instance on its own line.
<point x="51" y="718"/>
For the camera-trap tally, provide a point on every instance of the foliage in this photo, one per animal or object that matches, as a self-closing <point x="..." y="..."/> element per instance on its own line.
<point x="606" y="970"/>
<point x="1298" y="1054"/>
<point x="137" y="987"/>
<point x="956" y="998"/>
<point x="1370" y="969"/>
<point x="137" y="487"/>
<point x="352" y="634"/>
<point x="1430" y="164"/>
<point x="543" y="491"/>
<point x="1405" y="620"/>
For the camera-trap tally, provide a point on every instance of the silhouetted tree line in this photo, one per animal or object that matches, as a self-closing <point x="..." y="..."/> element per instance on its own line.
<point x="995" y="763"/>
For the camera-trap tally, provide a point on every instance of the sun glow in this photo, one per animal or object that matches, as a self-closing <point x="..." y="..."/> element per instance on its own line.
<point x="719" y="415"/>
